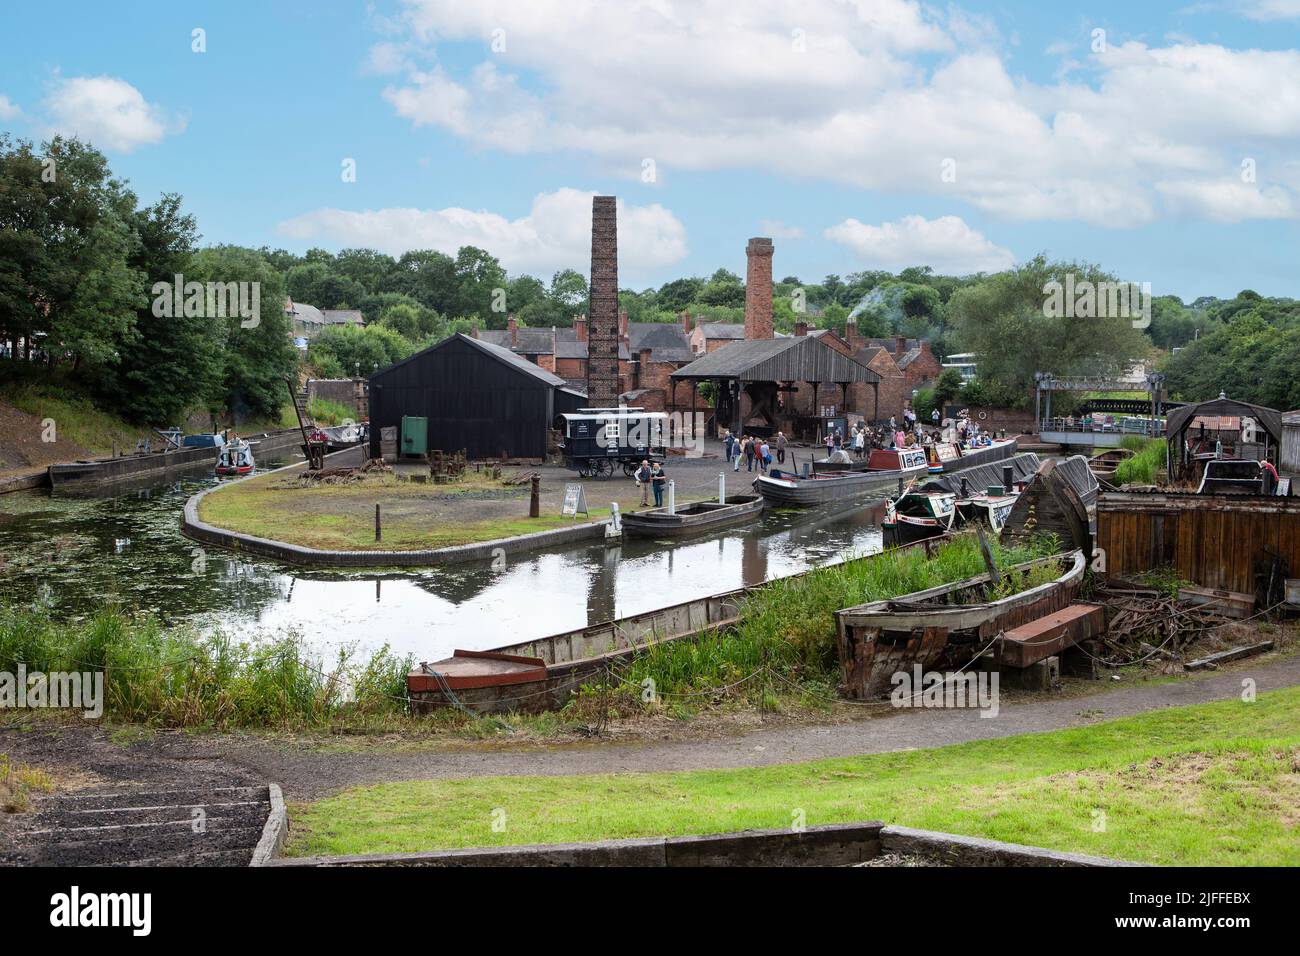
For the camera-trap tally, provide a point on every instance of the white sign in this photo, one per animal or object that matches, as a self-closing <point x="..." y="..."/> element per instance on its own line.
<point x="575" y="500"/>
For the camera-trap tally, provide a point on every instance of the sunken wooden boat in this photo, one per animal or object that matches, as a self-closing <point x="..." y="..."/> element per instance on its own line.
<point x="696" y="518"/>
<point x="885" y="469"/>
<point x="1057" y="500"/>
<point x="950" y="626"/>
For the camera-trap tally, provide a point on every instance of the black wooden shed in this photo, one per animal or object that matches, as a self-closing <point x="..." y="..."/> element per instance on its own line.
<point x="475" y="395"/>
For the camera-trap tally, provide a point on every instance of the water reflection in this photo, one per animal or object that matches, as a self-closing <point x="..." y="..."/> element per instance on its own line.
<point x="127" y="548"/>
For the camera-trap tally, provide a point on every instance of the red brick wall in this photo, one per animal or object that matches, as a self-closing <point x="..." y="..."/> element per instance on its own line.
<point x="758" y="289"/>
<point x="574" y="368"/>
<point x="924" y="368"/>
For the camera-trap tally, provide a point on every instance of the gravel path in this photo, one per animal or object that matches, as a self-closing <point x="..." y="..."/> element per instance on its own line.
<point x="307" y="773"/>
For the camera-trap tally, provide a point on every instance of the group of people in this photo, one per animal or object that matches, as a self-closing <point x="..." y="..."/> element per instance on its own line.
<point x="754" y="450"/>
<point x="651" y="478"/>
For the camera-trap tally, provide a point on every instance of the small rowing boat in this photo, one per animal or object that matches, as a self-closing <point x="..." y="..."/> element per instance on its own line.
<point x="697" y="518"/>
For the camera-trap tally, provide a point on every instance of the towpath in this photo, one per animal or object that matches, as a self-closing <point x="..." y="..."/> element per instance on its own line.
<point x="308" y="772"/>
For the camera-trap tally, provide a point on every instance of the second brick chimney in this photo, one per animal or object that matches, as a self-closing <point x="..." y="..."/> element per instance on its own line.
<point x="513" y="326"/>
<point x="758" y="289"/>
<point x="580" y="327"/>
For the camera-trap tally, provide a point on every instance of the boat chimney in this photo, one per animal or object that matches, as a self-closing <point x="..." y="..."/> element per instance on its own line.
<point x="1007" y="477"/>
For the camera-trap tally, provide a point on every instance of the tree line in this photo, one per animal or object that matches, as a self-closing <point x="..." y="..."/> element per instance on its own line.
<point x="81" y="260"/>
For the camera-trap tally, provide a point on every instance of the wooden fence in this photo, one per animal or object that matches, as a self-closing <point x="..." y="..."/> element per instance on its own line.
<point x="1213" y="540"/>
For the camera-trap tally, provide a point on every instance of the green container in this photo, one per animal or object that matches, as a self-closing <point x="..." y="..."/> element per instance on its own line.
<point x="995" y="491"/>
<point x="415" y="436"/>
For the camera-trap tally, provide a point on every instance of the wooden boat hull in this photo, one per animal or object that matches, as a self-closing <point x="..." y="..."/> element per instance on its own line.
<point x="698" y="518"/>
<point x="905" y="529"/>
<point x="791" y="492"/>
<point x="882" y="638"/>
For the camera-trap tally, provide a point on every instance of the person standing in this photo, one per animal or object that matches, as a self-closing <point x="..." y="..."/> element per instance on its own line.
<point x="728" y="441"/>
<point x="738" y="445"/>
<point x="780" y="447"/>
<point x="830" y="443"/>
<point x="934" y="417"/>
<point x="658" y="481"/>
<point x="751" y="449"/>
<point x="764" y="455"/>
<point x="860" y="441"/>
<point x="643" y="475"/>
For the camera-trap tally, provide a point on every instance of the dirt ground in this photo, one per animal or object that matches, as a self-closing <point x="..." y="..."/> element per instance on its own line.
<point x="84" y="755"/>
<point x="21" y="449"/>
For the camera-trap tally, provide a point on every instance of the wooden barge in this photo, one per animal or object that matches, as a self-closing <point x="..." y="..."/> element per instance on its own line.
<point x="698" y="518"/>
<point x="953" y="625"/>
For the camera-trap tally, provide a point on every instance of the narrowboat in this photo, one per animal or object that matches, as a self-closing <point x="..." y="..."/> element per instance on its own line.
<point x="916" y="515"/>
<point x="884" y="469"/>
<point x="235" y="458"/>
<point x="696" y="518"/>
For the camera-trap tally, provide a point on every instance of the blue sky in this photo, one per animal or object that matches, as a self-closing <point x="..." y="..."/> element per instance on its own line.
<point x="823" y="124"/>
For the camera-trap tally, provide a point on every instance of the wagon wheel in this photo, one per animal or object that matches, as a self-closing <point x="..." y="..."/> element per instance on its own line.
<point x="586" y="468"/>
<point x="604" y="467"/>
<point x="629" y="469"/>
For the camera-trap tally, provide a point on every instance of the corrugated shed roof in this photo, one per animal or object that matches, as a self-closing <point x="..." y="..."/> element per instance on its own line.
<point x="1181" y="418"/>
<point x="796" y="359"/>
<point x="495" y="351"/>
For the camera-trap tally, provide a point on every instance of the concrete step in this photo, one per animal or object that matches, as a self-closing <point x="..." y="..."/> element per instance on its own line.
<point x="144" y="828"/>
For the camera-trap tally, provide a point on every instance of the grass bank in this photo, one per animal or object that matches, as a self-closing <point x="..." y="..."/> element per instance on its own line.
<point x="1142" y="467"/>
<point x="788" y="627"/>
<point x="1211" y="785"/>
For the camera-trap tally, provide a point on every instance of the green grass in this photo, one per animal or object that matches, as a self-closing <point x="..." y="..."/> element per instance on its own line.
<point x="325" y="412"/>
<point x="1142" y="467"/>
<point x="1212" y="784"/>
<point x="342" y="517"/>
<point x="789" y="625"/>
<point x="173" y="677"/>
<point x="77" y="420"/>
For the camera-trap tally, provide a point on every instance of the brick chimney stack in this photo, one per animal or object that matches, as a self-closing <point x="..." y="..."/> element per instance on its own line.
<point x="580" y="327"/>
<point x="758" y="289"/>
<point x="851" y="333"/>
<point x="473" y="328"/>
<point x="622" y="325"/>
<point x="513" y="326"/>
<point x="801" y="328"/>
<point x="900" y="346"/>
<point x="603" y="334"/>
<point x="686" y="321"/>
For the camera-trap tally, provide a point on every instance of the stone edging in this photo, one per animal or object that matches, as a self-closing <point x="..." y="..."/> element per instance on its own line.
<point x="840" y="844"/>
<point x="273" y="832"/>
<point x="200" y="530"/>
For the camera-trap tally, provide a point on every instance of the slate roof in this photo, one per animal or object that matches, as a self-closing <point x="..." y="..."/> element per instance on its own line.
<point x="495" y="351"/>
<point x="723" y="330"/>
<point x="307" y="314"/>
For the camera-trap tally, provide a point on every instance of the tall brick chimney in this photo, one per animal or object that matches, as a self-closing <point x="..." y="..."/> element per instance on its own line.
<point x="758" y="289"/>
<point x="513" y="326"/>
<point x="686" y="321"/>
<point x="602" y="334"/>
<point x="580" y="328"/>
<point x="622" y="325"/>
<point x="900" y="346"/>
<point x="851" y="333"/>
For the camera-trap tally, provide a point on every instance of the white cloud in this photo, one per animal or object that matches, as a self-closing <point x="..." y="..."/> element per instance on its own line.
<point x="106" y="111"/>
<point x="946" y="243"/>
<point x="870" y="93"/>
<point x="774" y="229"/>
<point x="8" y="109"/>
<point x="1271" y="9"/>
<point x="556" y="234"/>
<point x="1228" y="200"/>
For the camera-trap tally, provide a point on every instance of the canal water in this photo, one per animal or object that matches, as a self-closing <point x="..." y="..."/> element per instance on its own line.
<point x="79" y="552"/>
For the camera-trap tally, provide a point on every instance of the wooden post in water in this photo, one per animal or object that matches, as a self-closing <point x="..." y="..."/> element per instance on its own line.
<point x="378" y="526"/>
